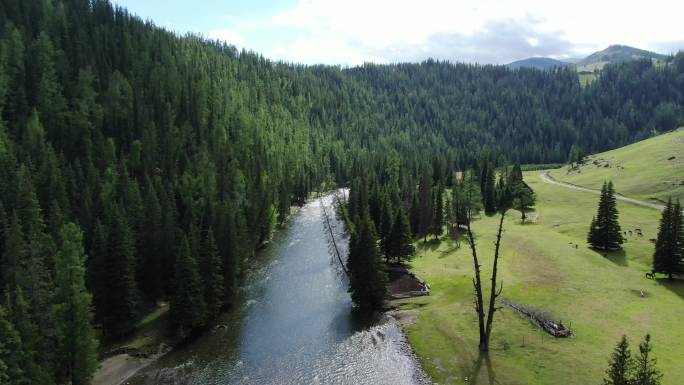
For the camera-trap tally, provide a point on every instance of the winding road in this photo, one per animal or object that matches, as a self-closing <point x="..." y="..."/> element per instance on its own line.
<point x="549" y="179"/>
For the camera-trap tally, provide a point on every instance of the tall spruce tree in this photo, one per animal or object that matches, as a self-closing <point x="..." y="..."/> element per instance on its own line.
<point x="386" y="227"/>
<point x="488" y="187"/>
<point x="11" y="353"/>
<point x="367" y="282"/>
<point x="212" y="273"/>
<point x="426" y="211"/>
<point x="620" y="369"/>
<point x="77" y="345"/>
<point x="400" y="244"/>
<point x="668" y="257"/>
<point x="188" y="308"/>
<point x="645" y="371"/>
<point x="604" y="231"/>
<point x="122" y="306"/>
<point x="438" y="216"/>
<point x="523" y="199"/>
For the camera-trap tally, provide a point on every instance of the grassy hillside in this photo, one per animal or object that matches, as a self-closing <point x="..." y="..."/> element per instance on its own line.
<point x="615" y="54"/>
<point x="598" y="297"/>
<point x="651" y="170"/>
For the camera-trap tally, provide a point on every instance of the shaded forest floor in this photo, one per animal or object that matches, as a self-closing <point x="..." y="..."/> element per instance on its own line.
<point x="547" y="265"/>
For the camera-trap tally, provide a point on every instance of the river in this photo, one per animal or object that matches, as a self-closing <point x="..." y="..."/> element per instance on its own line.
<point x="293" y="323"/>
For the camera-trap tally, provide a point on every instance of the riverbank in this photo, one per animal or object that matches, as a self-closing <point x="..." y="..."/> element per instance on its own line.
<point x="293" y="323"/>
<point x="547" y="266"/>
<point x="151" y="339"/>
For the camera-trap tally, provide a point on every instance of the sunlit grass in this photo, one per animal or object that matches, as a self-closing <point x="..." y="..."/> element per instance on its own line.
<point x="598" y="297"/>
<point x="652" y="168"/>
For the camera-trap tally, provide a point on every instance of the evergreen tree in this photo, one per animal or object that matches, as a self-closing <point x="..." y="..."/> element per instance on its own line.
<point x="212" y="275"/>
<point x="414" y="213"/>
<point x="466" y="199"/>
<point x="13" y="255"/>
<point x="605" y="232"/>
<point x="400" y="243"/>
<point x="523" y="198"/>
<point x="438" y="216"/>
<point x="425" y="199"/>
<point x="11" y="353"/>
<point x="620" y="369"/>
<point x="77" y="346"/>
<point x="668" y="257"/>
<point x="386" y="226"/>
<point x="187" y="307"/>
<point x="122" y="297"/>
<point x="645" y="371"/>
<point x="488" y="188"/>
<point x="32" y="355"/>
<point x="367" y="283"/>
<point x="150" y="270"/>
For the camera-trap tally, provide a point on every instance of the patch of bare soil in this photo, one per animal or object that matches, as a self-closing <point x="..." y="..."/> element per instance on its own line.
<point x="404" y="284"/>
<point x="404" y="317"/>
<point x="117" y="369"/>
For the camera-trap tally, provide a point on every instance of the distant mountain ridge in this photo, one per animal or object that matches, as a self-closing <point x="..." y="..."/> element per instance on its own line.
<point x="537" y="62"/>
<point x="613" y="54"/>
<point x="617" y="53"/>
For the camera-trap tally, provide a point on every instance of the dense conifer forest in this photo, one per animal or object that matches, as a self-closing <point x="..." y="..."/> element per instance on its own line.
<point x="135" y="160"/>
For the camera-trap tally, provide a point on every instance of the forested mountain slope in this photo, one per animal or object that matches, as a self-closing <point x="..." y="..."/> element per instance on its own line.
<point x="159" y="146"/>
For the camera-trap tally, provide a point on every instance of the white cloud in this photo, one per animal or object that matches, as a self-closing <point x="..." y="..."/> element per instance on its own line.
<point x="228" y="36"/>
<point x="354" y="31"/>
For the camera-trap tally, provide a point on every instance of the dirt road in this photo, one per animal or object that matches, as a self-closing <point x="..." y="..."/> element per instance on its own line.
<point x="549" y="179"/>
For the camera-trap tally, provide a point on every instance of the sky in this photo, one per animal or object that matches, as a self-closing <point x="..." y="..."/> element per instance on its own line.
<point x="351" y="32"/>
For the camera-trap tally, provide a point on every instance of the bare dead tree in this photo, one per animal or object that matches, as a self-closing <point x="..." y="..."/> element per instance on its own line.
<point x="485" y="322"/>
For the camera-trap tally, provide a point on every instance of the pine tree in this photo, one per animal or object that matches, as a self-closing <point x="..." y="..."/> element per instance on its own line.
<point x="645" y="371"/>
<point x="593" y="235"/>
<point x="121" y="290"/>
<point x="212" y="275"/>
<point x="367" y="283"/>
<point x="400" y="244"/>
<point x="150" y="275"/>
<point x="605" y="232"/>
<point x="438" y="216"/>
<point x="414" y="215"/>
<point x="620" y="369"/>
<point x="425" y="199"/>
<point x="488" y="189"/>
<point x="13" y="254"/>
<point x="386" y="226"/>
<point x="668" y="257"/>
<point x="187" y="307"/>
<point x="11" y="353"/>
<point x="77" y="346"/>
<point x="466" y="199"/>
<point x="33" y="358"/>
<point x="523" y="198"/>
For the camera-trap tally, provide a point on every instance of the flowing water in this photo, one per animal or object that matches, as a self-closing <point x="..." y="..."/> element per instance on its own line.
<point x="294" y="323"/>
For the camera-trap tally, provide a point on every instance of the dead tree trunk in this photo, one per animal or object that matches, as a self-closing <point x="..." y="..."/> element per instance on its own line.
<point x="485" y="322"/>
<point x="494" y="293"/>
<point x="477" y="283"/>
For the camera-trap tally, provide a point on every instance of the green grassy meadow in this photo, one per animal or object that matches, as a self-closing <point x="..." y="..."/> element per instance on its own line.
<point x="646" y="170"/>
<point x="598" y="297"/>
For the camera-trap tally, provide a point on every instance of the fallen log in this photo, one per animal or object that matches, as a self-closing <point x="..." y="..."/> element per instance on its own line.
<point x="556" y="329"/>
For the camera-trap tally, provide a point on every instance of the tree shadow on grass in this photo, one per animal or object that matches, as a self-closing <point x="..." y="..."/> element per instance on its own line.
<point x="431" y="244"/>
<point x="618" y="257"/>
<point x="674" y="285"/>
<point x="476" y="376"/>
